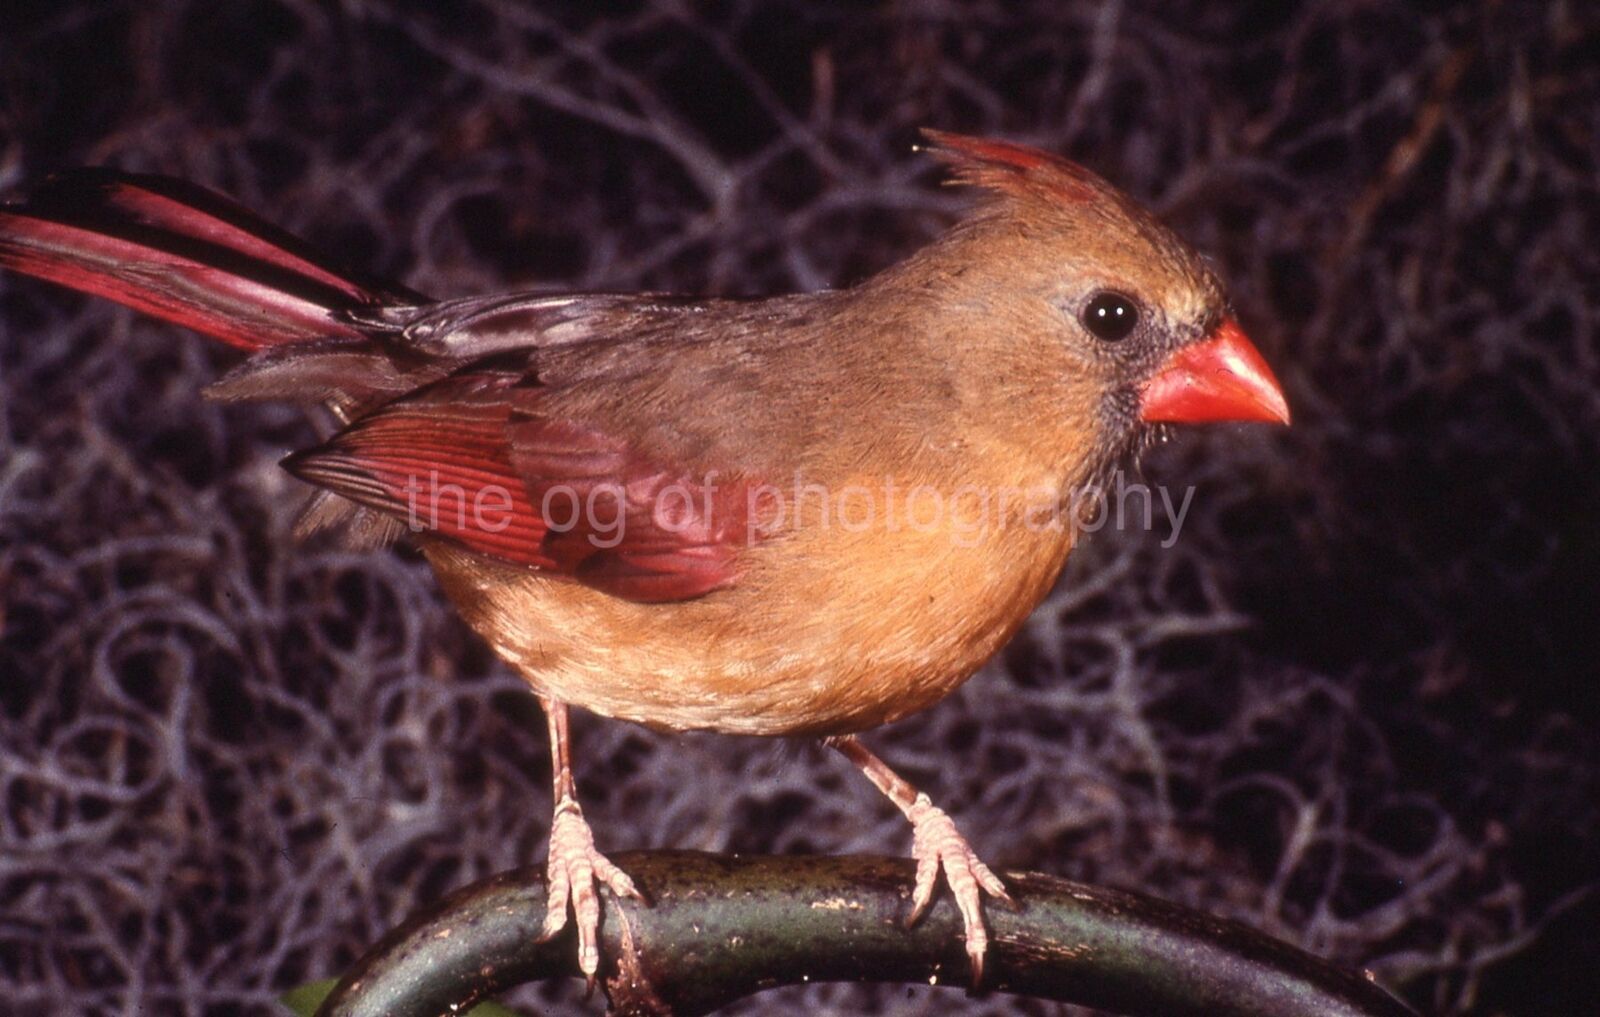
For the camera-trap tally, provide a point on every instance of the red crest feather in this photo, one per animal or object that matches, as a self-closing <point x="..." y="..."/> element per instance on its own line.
<point x="1010" y="168"/>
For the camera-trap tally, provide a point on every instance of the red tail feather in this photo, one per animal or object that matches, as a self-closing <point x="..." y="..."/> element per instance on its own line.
<point x="185" y="254"/>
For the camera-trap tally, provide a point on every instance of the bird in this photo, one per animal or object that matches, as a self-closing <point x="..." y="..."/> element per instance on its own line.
<point x="801" y="516"/>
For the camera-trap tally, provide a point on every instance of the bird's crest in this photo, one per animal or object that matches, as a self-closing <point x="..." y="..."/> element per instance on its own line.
<point x="1006" y="167"/>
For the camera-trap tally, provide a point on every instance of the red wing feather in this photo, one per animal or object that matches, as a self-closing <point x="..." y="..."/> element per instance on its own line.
<point x="545" y="492"/>
<point x="441" y="469"/>
<point x="644" y="532"/>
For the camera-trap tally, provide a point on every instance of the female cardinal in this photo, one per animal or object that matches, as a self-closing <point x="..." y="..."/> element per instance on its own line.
<point x="806" y="515"/>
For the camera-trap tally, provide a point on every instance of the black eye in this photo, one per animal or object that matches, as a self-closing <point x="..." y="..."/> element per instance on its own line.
<point x="1110" y="316"/>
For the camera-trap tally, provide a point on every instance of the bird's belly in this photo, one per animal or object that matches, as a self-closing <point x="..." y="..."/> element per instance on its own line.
<point x="804" y="653"/>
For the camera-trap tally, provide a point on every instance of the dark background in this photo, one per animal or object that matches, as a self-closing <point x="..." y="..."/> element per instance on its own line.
<point x="1353" y="705"/>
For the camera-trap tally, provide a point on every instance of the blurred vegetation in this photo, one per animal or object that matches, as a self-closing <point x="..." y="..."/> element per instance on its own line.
<point x="1353" y="705"/>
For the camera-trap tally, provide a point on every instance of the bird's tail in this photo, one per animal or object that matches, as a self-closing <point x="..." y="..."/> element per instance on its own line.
<point x="186" y="254"/>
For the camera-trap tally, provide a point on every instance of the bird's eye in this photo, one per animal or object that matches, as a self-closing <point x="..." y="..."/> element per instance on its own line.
<point x="1110" y="316"/>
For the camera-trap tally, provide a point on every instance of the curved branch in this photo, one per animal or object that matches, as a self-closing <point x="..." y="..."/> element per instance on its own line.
<point x="724" y="927"/>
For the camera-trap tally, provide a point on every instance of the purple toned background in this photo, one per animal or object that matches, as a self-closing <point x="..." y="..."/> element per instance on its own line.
<point x="1353" y="705"/>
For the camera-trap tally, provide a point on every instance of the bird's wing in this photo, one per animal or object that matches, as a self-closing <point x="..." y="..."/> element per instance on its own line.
<point x="484" y="458"/>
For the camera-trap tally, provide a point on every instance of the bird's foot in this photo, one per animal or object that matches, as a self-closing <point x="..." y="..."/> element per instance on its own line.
<point x="936" y="844"/>
<point x="575" y="866"/>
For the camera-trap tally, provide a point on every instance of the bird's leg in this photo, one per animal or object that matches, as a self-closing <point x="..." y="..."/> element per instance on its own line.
<point x="936" y="844"/>
<point x="575" y="865"/>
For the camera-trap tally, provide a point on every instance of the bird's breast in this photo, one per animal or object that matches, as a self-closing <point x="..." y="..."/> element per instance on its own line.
<point x="863" y="605"/>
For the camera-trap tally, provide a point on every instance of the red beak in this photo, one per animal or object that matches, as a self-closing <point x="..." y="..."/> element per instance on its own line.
<point x="1221" y="378"/>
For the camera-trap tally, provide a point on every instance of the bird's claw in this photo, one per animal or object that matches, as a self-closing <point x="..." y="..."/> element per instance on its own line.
<point x="574" y="867"/>
<point x="937" y="844"/>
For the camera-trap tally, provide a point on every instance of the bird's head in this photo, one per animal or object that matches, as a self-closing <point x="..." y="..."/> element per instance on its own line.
<point x="1075" y="289"/>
